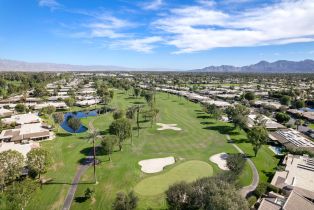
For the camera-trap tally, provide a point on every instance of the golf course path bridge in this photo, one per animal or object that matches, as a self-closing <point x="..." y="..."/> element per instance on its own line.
<point x="245" y="191"/>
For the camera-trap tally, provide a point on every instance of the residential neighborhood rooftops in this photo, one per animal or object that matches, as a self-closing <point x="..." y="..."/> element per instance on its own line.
<point x="294" y="201"/>
<point x="269" y="123"/>
<point x="22" y="119"/>
<point x="292" y="137"/>
<point x="299" y="173"/>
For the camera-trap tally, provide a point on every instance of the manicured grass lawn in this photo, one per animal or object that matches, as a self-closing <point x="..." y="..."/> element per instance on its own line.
<point x="311" y="126"/>
<point x="66" y="151"/>
<point x="188" y="171"/>
<point x="200" y="138"/>
<point x="246" y="176"/>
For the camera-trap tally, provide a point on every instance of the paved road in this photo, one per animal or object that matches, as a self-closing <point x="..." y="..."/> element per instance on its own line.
<point x="250" y="188"/>
<point x="80" y="171"/>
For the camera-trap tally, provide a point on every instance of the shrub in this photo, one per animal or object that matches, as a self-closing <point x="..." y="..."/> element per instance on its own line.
<point x="251" y="200"/>
<point x="261" y="189"/>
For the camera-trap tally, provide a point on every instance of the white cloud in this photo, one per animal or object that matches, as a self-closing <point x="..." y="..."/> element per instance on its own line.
<point x="208" y="3"/>
<point x="107" y="26"/>
<point x="197" y="28"/>
<point x="49" y="3"/>
<point x="145" y="45"/>
<point x="153" y="5"/>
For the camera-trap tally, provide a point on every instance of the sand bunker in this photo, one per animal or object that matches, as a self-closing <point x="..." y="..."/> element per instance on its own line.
<point x="168" y="127"/>
<point x="221" y="160"/>
<point x="155" y="165"/>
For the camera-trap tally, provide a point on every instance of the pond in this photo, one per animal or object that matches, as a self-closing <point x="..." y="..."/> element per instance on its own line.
<point x="79" y="115"/>
<point x="307" y="109"/>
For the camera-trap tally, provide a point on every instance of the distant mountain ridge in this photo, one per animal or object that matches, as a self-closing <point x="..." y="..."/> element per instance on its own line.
<point x="13" y="65"/>
<point x="280" y="66"/>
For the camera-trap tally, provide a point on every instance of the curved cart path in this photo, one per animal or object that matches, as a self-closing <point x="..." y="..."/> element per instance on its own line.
<point x="245" y="191"/>
<point x="80" y="171"/>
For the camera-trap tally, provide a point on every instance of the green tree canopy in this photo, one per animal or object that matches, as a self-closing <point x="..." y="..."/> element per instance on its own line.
<point x="299" y="104"/>
<point x="11" y="165"/>
<point x="285" y="100"/>
<point x="108" y="143"/>
<point x="238" y="115"/>
<point x="118" y="114"/>
<point x="205" y="193"/>
<point x="74" y="123"/>
<point x="20" y="108"/>
<point x="249" y="96"/>
<point x="257" y="136"/>
<point x="39" y="160"/>
<point x="69" y="101"/>
<point x="125" y="201"/>
<point x="122" y="129"/>
<point x="282" y="117"/>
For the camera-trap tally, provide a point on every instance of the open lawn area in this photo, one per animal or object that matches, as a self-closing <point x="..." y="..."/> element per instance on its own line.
<point x="188" y="171"/>
<point x="199" y="139"/>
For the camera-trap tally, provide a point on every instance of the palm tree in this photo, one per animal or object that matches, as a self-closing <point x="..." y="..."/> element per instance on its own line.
<point x="93" y="135"/>
<point x="298" y="122"/>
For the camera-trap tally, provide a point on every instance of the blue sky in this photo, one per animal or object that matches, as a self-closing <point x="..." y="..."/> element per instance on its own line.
<point x="174" y="34"/>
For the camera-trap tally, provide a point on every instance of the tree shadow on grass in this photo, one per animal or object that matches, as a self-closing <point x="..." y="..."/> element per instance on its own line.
<point x="89" y="151"/>
<point x="207" y="123"/>
<point x="242" y="140"/>
<point x="223" y="129"/>
<point x="130" y="97"/>
<point x="63" y="134"/>
<point x="104" y="132"/>
<point x="137" y="102"/>
<point x="80" y="199"/>
<point x="203" y="117"/>
<point x="269" y="175"/>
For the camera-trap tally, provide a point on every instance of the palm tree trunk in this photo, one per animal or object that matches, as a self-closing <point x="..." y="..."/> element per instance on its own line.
<point x="94" y="160"/>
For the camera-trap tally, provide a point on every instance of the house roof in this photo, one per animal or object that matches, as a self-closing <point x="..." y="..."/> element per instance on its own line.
<point x="22" y="119"/>
<point x="296" y="201"/>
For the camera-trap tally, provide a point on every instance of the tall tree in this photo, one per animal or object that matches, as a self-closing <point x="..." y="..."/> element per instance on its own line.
<point x="257" y="136"/>
<point x="38" y="161"/>
<point x="58" y="119"/>
<point x="11" y="164"/>
<point x="118" y="114"/>
<point x="122" y="129"/>
<point x="108" y="143"/>
<point x="137" y="91"/>
<point x="213" y="110"/>
<point x="238" y="115"/>
<point x="149" y="98"/>
<point x="93" y="135"/>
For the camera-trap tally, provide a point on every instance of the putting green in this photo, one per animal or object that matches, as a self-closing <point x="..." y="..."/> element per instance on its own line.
<point x="188" y="171"/>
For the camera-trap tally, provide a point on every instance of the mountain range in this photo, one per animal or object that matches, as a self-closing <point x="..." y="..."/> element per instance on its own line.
<point x="14" y="65"/>
<point x="280" y="66"/>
